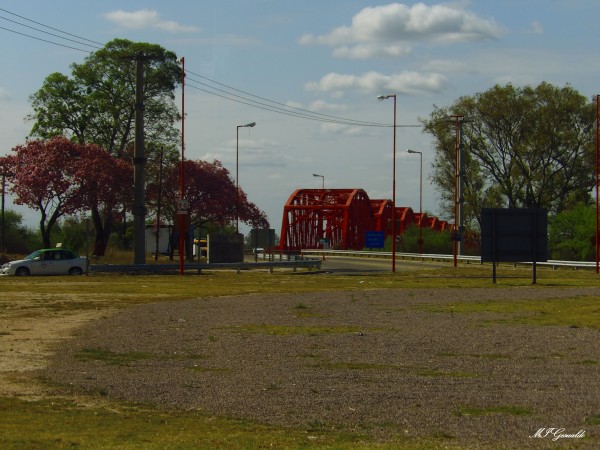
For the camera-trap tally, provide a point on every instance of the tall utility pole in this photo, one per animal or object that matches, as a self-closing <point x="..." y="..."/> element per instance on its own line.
<point x="3" y="193"/>
<point x="182" y="208"/>
<point x="158" y="203"/>
<point x="597" y="180"/>
<point x="139" y="161"/>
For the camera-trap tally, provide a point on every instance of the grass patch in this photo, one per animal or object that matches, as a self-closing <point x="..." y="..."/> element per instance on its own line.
<point x="593" y="420"/>
<point x="211" y="369"/>
<point x="512" y="410"/>
<point x="64" y="424"/>
<point x="352" y="366"/>
<point x="303" y="311"/>
<point x="285" y="330"/>
<point x="492" y="356"/>
<point x="441" y="373"/>
<point x="573" y="312"/>
<point x="112" y="358"/>
<point x="184" y="356"/>
<point x="588" y="362"/>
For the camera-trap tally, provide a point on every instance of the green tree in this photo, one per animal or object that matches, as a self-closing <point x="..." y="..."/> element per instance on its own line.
<point x="523" y="147"/>
<point x="438" y="242"/>
<point x="96" y="105"/>
<point x="572" y="234"/>
<point x="17" y="237"/>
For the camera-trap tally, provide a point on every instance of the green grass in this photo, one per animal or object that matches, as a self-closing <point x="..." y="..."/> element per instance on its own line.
<point x="572" y="312"/>
<point x="352" y="366"/>
<point x="60" y="423"/>
<point x="108" y="357"/>
<point x="512" y="410"/>
<point x="593" y="420"/>
<point x="283" y="330"/>
<point x="64" y="424"/>
<point x="427" y="372"/>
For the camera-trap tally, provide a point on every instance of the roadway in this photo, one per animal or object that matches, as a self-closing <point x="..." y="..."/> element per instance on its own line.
<point x="348" y="265"/>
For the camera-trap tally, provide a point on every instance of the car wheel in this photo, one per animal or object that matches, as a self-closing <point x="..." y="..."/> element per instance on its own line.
<point x="22" y="272"/>
<point x="75" y="271"/>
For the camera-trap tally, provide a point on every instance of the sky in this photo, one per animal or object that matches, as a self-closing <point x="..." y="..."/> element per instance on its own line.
<point x="329" y="57"/>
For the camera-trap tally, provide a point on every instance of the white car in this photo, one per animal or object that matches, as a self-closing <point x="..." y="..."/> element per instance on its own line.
<point x="48" y="261"/>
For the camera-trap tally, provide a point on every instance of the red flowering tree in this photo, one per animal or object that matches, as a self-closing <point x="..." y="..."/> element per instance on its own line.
<point x="41" y="178"/>
<point x="59" y="178"/>
<point x="211" y="194"/>
<point x="105" y="183"/>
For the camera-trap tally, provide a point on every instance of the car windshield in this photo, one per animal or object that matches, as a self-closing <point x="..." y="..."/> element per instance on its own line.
<point x="34" y="255"/>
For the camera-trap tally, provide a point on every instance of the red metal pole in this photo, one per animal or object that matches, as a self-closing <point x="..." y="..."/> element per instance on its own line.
<point x="394" y="195"/>
<point x="181" y="175"/>
<point x="597" y="161"/>
<point x="421" y="204"/>
<point x="237" y="172"/>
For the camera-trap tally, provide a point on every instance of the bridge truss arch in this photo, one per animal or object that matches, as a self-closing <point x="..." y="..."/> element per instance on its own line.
<point x="342" y="216"/>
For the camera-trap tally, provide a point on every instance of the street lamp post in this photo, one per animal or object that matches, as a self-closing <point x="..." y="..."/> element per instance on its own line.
<point x="420" y="200"/>
<point x="458" y="121"/>
<point x="237" y="167"/>
<point x="316" y="175"/>
<point x="383" y="97"/>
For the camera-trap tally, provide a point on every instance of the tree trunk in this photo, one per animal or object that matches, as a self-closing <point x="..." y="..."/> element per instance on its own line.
<point x="103" y="226"/>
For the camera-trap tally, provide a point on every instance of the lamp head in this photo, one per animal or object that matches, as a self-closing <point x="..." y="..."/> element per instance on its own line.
<point x="251" y="124"/>
<point x="411" y="151"/>
<point x="381" y="97"/>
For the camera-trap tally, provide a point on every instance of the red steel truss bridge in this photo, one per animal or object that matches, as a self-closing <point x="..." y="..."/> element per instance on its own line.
<point x="342" y="217"/>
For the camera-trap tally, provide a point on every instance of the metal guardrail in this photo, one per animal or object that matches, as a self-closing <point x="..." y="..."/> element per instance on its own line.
<point x="443" y="257"/>
<point x="199" y="267"/>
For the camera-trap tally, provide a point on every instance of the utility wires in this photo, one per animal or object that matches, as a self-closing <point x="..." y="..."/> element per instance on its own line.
<point x="193" y="79"/>
<point x="61" y="35"/>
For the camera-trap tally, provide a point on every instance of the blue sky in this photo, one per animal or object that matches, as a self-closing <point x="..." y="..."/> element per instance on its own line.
<point x="331" y="57"/>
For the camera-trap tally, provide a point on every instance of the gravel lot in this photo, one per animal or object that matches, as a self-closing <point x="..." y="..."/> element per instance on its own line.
<point x="379" y="362"/>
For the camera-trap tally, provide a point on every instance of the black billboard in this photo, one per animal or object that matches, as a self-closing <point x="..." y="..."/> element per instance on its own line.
<point x="514" y="235"/>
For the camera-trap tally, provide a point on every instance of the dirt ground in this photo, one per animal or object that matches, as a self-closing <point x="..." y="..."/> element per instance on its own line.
<point x="380" y="363"/>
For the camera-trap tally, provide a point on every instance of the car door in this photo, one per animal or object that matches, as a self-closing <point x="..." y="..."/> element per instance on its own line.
<point x="63" y="262"/>
<point x="51" y="263"/>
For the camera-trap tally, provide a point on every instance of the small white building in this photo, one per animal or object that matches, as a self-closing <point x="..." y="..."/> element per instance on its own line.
<point x="164" y="238"/>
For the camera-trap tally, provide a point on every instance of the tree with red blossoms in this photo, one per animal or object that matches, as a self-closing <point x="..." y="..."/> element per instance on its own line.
<point x="105" y="182"/>
<point x="59" y="177"/>
<point x="211" y="194"/>
<point x="41" y="178"/>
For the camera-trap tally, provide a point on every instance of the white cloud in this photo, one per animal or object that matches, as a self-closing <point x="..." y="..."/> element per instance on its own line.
<point x="147" y="18"/>
<point x="391" y="30"/>
<point x="536" y="27"/>
<point x="345" y="130"/>
<point x="318" y="106"/>
<point x="252" y="152"/>
<point x="367" y="51"/>
<point x="4" y="94"/>
<point x="404" y="83"/>
<point x="321" y="105"/>
<point x="448" y="66"/>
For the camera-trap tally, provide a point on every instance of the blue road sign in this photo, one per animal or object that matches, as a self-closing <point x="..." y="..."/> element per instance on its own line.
<point x="374" y="239"/>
